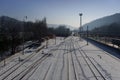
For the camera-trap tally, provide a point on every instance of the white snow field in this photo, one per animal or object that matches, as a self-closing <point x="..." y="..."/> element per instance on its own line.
<point x="68" y="59"/>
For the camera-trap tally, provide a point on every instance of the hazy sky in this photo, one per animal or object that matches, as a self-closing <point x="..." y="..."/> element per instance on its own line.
<point x="59" y="11"/>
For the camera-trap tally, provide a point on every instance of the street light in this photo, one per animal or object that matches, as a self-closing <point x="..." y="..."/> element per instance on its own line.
<point x="80" y="29"/>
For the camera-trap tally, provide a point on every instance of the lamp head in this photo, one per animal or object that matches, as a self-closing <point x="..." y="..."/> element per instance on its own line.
<point x="80" y="14"/>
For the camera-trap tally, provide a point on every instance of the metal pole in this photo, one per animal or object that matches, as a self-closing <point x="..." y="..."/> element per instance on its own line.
<point x="4" y="62"/>
<point x="23" y="37"/>
<point x="80" y="25"/>
<point x="46" y="42"/>
<point x="23" y="32"/>
<point x="87" y="35"/>
<point x="55" y="40"/>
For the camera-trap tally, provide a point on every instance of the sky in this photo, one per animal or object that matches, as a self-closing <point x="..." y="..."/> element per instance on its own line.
<point x="59" y="11"/>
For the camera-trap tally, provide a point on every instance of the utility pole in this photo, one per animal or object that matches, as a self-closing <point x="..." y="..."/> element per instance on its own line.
<point x="25" y="18"/>
<point x="55" y="40"/>
<point x="46" y="43"/>
<point x="4" y="62"/>
<point x="80" y="29"/>
<point x="87" y="35"/>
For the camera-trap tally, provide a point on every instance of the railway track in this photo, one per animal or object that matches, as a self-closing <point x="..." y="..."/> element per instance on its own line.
<point x="33" y="67"/>
<point x="66" y="64"/>
<point x="98" y="42"/>
<point x="17" y="65"/>
<point x="63" y="61"/>
<point x="96" y="72"/>
<point x="67" y="67"/>
<point x="80" y="65"/>
<point x="72" y="52"/>
<point x="15" y="69"/>
<point x="58" y="61"/>
<point x="45" y="77"/>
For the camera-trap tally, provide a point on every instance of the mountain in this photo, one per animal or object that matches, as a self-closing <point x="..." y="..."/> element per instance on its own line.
<point x="8" y="22"/>
<point x="7" y="19"/>
<point x="103" y="21"/>
<point x="56" y="25"/>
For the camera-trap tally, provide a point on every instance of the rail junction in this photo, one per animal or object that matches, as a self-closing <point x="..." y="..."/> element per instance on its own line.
<point x="69" y="59"/>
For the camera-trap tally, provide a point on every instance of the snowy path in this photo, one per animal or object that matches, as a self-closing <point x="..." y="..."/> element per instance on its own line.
<point x="69" y="59"/>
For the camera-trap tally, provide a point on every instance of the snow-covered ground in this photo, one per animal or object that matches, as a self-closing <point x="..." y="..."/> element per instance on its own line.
<point x="69" y="59"/>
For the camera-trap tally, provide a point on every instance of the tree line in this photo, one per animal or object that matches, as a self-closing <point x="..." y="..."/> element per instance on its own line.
<point x="14" y="33"/>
